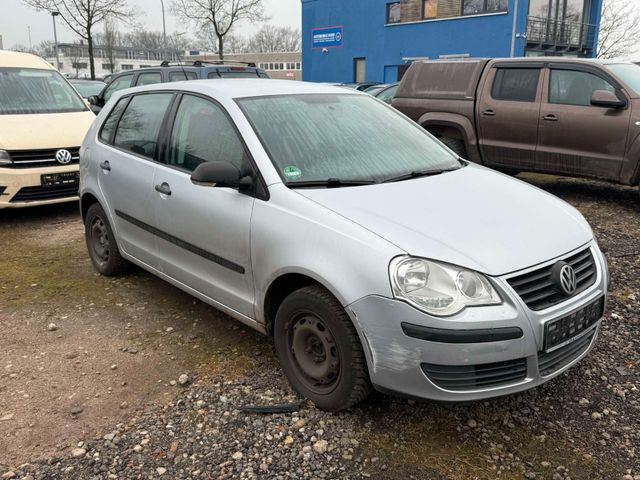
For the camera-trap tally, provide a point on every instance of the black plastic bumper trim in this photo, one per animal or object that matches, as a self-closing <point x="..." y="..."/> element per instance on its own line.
<point x="442" y="335"/>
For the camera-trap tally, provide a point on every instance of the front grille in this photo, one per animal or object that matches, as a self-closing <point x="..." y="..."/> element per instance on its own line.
<point x="539" y="291"/>
<point x="40" y="158"/>
<point x="31" y="194"/>
<point x="471" y="377"/>
<point x="563" y="356"/>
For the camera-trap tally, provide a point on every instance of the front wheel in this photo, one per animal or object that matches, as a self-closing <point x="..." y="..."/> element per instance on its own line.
<point x="101" y="243"/>
<point x="320" y="351"/>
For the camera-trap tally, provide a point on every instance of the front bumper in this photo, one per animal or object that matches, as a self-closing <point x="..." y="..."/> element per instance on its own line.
<point x="411" y="366"/>
<point x="22" y="187"/>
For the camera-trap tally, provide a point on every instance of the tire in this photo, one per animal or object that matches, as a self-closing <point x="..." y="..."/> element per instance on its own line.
<point x="457" y="146"/>
<point x="331" y="369"/>
<point x="101" y="244"/>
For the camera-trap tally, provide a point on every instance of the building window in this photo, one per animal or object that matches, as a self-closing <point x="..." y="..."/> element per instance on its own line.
<point x="393" y="12"/>
<point x="478" y="7"/>
<point x="79" y="65"/>
<point x="429" y="9"/>
<point x="106" y="66"/>
<point x="126" y="66"/>
<point x="298" y="66"/>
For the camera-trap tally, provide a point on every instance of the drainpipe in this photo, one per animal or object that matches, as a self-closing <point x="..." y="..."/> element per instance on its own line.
<point x="515" y="27"/>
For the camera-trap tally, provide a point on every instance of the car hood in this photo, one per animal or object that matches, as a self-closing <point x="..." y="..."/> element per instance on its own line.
<point x="473" y="217"/>
<point x="42" y="131"/>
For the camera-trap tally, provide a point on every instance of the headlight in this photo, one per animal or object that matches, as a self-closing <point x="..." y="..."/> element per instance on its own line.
<point x="438" y="288"/>
<point x="5" y="159"/>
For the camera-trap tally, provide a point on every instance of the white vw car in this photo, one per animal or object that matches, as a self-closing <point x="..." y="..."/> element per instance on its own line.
<point x="371" y="253"/>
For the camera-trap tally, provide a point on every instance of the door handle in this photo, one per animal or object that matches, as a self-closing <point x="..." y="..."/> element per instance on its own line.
<point x="550" y="118"/>
<point x="164" y="189"/>
<point x="489" y="113"/>
<point x="106" y="166"/>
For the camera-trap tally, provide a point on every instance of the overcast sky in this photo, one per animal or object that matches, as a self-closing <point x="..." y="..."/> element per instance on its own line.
<point x="16" y="18"/>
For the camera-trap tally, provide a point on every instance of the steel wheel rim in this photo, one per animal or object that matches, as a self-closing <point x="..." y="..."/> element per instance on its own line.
<point x="313" y="352"/>
<point x="100" y="242"/>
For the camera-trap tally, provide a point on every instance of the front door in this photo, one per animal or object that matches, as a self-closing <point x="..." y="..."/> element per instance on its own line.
<point x="577" y="138"/>
<point x="507" y="115"/>
<point x="127" y="168"/>
<point x="205" y="231"/>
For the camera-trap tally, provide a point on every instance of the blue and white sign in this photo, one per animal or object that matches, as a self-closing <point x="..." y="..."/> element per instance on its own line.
<point x="327" y="37"/>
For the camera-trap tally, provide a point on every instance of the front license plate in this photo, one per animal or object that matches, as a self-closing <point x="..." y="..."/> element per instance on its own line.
<point x="57" y="179"/>
<point x="565" y="329"/>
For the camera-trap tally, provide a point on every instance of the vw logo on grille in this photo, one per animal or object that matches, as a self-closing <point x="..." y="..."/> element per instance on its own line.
<point x="564" y="276"/>
<point x="63" y="156"/>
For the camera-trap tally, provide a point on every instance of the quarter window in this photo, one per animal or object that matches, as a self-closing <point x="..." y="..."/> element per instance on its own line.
<point x="516" y="84"/>
<point x="569" y="87"/>
<point x="109" y="125"/>
<point x="203" y="133"/>
<point x="140" y="124"/>
<point x="393" y="12"/>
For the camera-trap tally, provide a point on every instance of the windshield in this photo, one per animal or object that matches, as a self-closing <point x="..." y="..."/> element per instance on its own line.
<point x="86" y="89"/>
<point x="629" y="73"/>
<point x="346" y="137"/>
<point x="30" y="90"/>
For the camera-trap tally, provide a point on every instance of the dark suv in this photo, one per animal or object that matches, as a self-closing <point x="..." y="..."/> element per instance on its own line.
<point x="167" y="72"/>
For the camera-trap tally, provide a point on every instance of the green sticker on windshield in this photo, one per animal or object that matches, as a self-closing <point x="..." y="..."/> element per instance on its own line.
<point x="292" y="172"/>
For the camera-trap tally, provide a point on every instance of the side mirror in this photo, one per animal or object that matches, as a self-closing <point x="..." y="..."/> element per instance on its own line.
<point x="93" y="100"/>
<point x="219" y="174"/>
<point x="605" y="98"/>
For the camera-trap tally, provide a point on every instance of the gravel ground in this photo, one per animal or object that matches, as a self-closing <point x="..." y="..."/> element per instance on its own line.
<point x="583" y="425"/>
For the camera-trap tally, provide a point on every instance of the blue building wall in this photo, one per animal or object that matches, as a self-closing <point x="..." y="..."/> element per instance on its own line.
<point x="365" y="35"/>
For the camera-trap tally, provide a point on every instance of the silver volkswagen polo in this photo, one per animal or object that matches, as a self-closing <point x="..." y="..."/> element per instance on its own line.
<point x="373" y="255"/>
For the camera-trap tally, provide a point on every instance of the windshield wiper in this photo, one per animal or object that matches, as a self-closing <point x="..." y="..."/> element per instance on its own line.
<point x="331" y="183"/>
<point x="418" y="174"/>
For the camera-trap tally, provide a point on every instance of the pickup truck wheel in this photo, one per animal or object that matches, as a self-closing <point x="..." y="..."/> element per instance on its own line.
<point x="320" y="351"/>
<point x="101" y="244"/>
<point x="457" y="146"/>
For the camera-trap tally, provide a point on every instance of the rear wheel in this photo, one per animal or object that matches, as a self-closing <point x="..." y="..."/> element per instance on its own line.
<point x="320" y="351"/>
<point x="456" y="145"/>
<point x="101" y="243"/>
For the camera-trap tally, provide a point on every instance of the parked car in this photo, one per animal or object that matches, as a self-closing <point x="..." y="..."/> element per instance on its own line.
<point x="373" y="89"/>
<point x="361" y="86"/>
<point x="42" y="123"/>
<point x="168" y="72"/>
<point x="87" y="88"/>
<point x="370" y="252"/>
<point x="386" y="94"/>
<point x="553" y="115"/>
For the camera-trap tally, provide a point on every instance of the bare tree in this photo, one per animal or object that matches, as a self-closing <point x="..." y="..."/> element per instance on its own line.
<point x="45" y="49"/>
<point x="82" y="16"/>
<point x="619" y="28"/>
<point x="219" y="15"/>
<point x="75" y="55"/>
<point x="275" y="39"/>
<point x="109" y="41"/>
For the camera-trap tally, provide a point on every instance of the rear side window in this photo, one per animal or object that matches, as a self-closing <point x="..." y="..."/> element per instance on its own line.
<point x="140" y="124"/>
<point x="213" y="75"/>
<point x="516" y="84"/>
<point x="182" y="76"/>
<point x="570" y="87"/>
<point x="150" y="78"/>
<point x="109" y="125"/>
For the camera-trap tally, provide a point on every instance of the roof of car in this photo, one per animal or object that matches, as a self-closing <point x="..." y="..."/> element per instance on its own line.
<point x="243" y="88"/>
<point x="23" y="60"/>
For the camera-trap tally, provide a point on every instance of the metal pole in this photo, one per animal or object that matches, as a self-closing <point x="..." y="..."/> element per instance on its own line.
<point x="515" y="28"/>
<point x="29" y="30"/>
<point x="55" y="38"/>
<point x="164" y="31"/>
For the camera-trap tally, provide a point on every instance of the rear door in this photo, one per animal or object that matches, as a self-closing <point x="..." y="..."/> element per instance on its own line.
<point x="205" y="231"/>
<point x="507" y="111"/>
<point x="577" y="138"/>
<point x="127" y="166"/>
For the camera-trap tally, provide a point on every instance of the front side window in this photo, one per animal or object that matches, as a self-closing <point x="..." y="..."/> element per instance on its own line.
<point x="478" y="7"/>
<point x="117" y="84"/>
<point x="203" y="133"/>
<point x="393" y="12"/>
<point x="349" y="137"/>
<point x="150" y="78"/>
<point x="32" y="91"/>
<point x="516" y="84"/>
<point x="389" y="94"/>
<point x="569" y="87"/>
<point x="140" y="124"/>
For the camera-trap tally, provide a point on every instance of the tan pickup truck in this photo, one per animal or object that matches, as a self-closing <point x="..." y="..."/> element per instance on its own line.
<point x="564" y="116"/>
